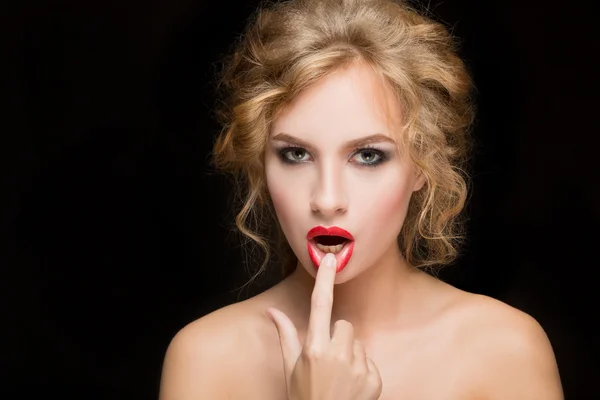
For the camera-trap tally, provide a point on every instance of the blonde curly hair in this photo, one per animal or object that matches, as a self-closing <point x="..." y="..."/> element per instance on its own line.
<point x="289" y="46"/>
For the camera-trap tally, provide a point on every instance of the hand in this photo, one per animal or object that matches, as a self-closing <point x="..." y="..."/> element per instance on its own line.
<point x="326" y="368"/>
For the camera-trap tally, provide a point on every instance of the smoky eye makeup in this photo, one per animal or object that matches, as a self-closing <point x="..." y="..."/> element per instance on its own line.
<point x="293" y="154"/>
<point x="366" y="156"/>
<point x="370" y="156"/>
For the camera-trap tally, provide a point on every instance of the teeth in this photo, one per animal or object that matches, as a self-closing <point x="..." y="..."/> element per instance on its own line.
<point x="331" y="249"/>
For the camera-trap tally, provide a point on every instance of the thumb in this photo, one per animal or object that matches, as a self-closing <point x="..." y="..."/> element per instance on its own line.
<point x="288" y="339"/>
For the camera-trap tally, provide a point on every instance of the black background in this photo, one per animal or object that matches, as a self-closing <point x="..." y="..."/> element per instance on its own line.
<point x="119" y="231"/>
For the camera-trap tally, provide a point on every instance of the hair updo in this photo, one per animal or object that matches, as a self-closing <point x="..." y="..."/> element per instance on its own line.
<point x="291" y="45"/>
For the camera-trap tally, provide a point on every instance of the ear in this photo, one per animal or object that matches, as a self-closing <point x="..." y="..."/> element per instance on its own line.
<point x="419" y="181"/>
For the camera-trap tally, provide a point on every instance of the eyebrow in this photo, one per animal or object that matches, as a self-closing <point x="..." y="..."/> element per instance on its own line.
<point x="363" y="141"/>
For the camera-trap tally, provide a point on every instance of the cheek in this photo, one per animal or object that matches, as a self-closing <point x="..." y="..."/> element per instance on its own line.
<point x="284" y="195"/>
<point x="387" y="202"/>
<point x="394" y="206"/>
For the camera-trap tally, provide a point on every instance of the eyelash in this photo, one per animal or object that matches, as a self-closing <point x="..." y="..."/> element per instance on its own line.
<point x="381" y="154"/>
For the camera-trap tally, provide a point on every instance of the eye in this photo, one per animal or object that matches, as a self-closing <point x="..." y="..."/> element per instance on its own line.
<point x="294" y="155"/>
<point x="369" y="157"/>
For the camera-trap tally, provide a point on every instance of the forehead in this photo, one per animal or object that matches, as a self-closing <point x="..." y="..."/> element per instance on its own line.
<point x="347" y="104"/>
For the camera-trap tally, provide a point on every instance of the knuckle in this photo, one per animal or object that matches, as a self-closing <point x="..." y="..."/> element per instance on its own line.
<point x="343" y="325"/>
<point x="312" y="354"/>
<point x="358" y="372"/>
<point x="342" y="357"/>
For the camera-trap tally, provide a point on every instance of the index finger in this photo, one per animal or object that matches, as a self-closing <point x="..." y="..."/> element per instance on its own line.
<point x="319" y="322"/>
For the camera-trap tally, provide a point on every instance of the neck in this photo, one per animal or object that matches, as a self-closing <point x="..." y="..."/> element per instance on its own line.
<point x="376" y="300"/>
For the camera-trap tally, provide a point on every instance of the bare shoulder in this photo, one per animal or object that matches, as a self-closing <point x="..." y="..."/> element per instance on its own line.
<point x="508" y="353"/>
<point x="208" y="357"/>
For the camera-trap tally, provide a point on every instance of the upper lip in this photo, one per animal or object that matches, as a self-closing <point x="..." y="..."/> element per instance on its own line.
<point x="331" y="231"/>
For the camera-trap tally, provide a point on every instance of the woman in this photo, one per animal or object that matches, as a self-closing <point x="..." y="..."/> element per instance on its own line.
<point x="346" y="123"/>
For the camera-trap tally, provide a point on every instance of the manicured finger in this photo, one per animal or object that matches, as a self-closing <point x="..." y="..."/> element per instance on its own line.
<point x="318" y="334"/>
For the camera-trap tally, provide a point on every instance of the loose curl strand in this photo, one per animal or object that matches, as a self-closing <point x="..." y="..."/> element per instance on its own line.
<point x="287" y="47"/>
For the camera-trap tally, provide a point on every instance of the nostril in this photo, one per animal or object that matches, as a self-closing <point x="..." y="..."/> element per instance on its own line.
<point x="330" y="240"/>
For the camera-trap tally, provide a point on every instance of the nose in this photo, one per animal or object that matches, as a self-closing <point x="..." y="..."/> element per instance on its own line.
<point x="329" y="196"/>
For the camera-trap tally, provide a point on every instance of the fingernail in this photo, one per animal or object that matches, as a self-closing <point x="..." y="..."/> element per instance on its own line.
<point x="330" y="260"/>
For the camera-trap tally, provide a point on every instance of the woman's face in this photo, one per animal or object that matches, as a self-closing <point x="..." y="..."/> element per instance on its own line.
<point x="332" y="160"/>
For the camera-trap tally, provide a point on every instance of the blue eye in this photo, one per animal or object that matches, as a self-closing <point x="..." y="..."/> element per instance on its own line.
<point x="370" y="157"/>
<point x="293" y="155"/>
<point x="367" y="157"/>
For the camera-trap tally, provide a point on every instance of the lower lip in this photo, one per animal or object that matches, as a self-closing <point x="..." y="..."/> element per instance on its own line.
<point x="342" y="257"/>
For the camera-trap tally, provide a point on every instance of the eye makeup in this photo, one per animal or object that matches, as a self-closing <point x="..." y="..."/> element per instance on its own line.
<point x="371" y="156"/>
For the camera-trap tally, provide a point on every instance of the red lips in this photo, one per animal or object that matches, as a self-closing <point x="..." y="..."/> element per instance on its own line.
<point x="316" y="255"/>
<point x="332" y="231"/>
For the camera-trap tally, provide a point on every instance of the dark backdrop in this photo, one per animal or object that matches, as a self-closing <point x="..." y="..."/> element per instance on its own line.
<point x="119" y="233"/>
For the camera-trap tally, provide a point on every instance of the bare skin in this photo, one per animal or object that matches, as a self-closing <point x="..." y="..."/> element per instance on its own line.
<point x="328" y="362"/>
<point x="427" y="339"/>
<point x="464" y="346"/>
